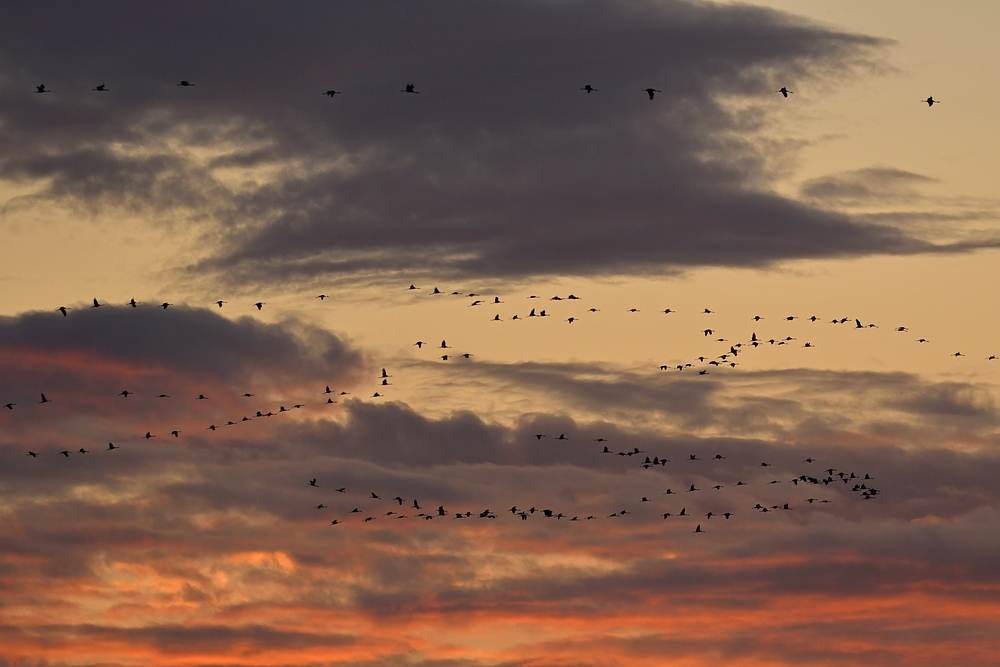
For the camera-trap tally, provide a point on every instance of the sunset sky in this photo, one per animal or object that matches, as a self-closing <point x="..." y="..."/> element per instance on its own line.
<point x="777" y="299"/>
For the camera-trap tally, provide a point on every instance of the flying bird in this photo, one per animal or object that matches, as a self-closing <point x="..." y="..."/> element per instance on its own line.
<point x="331" y="93"/>
<point x="101" y="88"/>
<point x="930" y="101"/>
<point x="185" y="84"/>
<point x="410" y="88"/>
<point x="42" y="89"/>
<point x="589" y="88"/>
<point x="651" y="92"/>
<point x="784" y="91"/>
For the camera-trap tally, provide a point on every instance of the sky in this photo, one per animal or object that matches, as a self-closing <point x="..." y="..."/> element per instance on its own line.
<point x="501" y="372"/>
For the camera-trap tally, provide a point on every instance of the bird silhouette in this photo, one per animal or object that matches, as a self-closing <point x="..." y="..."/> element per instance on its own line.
<point x="260" y="305"/>
<point x="784" y="91"/>
<point x="42" y="89"/>
<point x="410" y="88"/>
<point x="651" y="92"/>
<point x="186" y="84"/>
<point x="62" y="309"/>
<point x="331" y="93"/>
<point x="589" y="88"/>
<point x="930" y="101"/>
<point x="101" y="88"/>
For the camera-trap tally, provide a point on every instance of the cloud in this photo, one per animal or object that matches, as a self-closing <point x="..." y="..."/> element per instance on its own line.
<point x="165" y="359"/>
<point x="210" y="547"/>
<point x="499" y="167"/>
<point x="879" y="185"/>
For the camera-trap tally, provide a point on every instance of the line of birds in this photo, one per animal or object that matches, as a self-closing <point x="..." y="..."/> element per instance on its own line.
<point x="727" y="358"/>
<point x="860" y="487"/>
<point x="411" y="89"/>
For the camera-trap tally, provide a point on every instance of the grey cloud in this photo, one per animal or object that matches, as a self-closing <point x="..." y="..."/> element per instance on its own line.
<point x="195" y="342"/>
<point x="874" y="185"/>
<point x="500" y="167"/>
<point x="773" y="404"/>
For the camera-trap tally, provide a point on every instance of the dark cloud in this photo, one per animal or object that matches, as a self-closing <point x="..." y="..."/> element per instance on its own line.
<point x="499" y="167"/>
<point x="83" y="361"/>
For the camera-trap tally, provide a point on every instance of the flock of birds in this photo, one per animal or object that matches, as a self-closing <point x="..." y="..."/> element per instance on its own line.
<point x="726" y="358"/>
<point x="858" y="484"/>
<point x="411" y="89"/>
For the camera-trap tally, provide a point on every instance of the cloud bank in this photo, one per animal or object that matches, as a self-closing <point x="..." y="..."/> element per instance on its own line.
<point x="500" y="166"/>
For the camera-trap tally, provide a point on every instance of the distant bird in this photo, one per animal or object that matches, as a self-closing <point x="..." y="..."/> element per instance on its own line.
<point x="165" y="305"/>
<point x="97" y="304"/>
<point x="33" y="454"/>
<point x="331" y="93"/>
<point x="202" y="397"/>
<point x="930" y="101"/>
<point x="698" y="529"/>
<point x="148" y="435"/>
<point x="185" y="84"/>
<point x="322" y="296"/>
<point x="65" y="453"/>
<point x="44" y="400"/>
<point x="410" y="88"/>
<point x="260" y="305"/>
<point x="111" y="446"/>
<point x="101" y="88"/>
<point x="126" y="393"/>
<point x="84" y="451"/>
<point x="784" y="91"/>
<point x="176" y="434"/>
<point x="133" y="303"/>
<point x="62" y="309"/>
<point x="651" y="92"/>
<point x="312" y="482"/>
<point x="589" y="88"/>
<point x="42" y="89"/>
<point x="219" y="303"/>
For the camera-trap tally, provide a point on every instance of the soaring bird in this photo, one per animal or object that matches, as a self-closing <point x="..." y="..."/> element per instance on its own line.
<point x="260" y="305"/>
<point x="101" y="88"/>
<point x="219" y="303"/>
<point x="651" y="92"/>
<point x="784" y="91"/>
<point x="97" y="304"/>
<point x="185" y="84"/>
<point x="44" y="400"/>
<point x="331" y="93"/>
<point x="62" y="309"/>
<point x="410" y="88"/>
<point x="930" y="101"/>
<point x="42" y="89"/>
<point x="133" y="303"/>
<point x="589" y="88"/>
